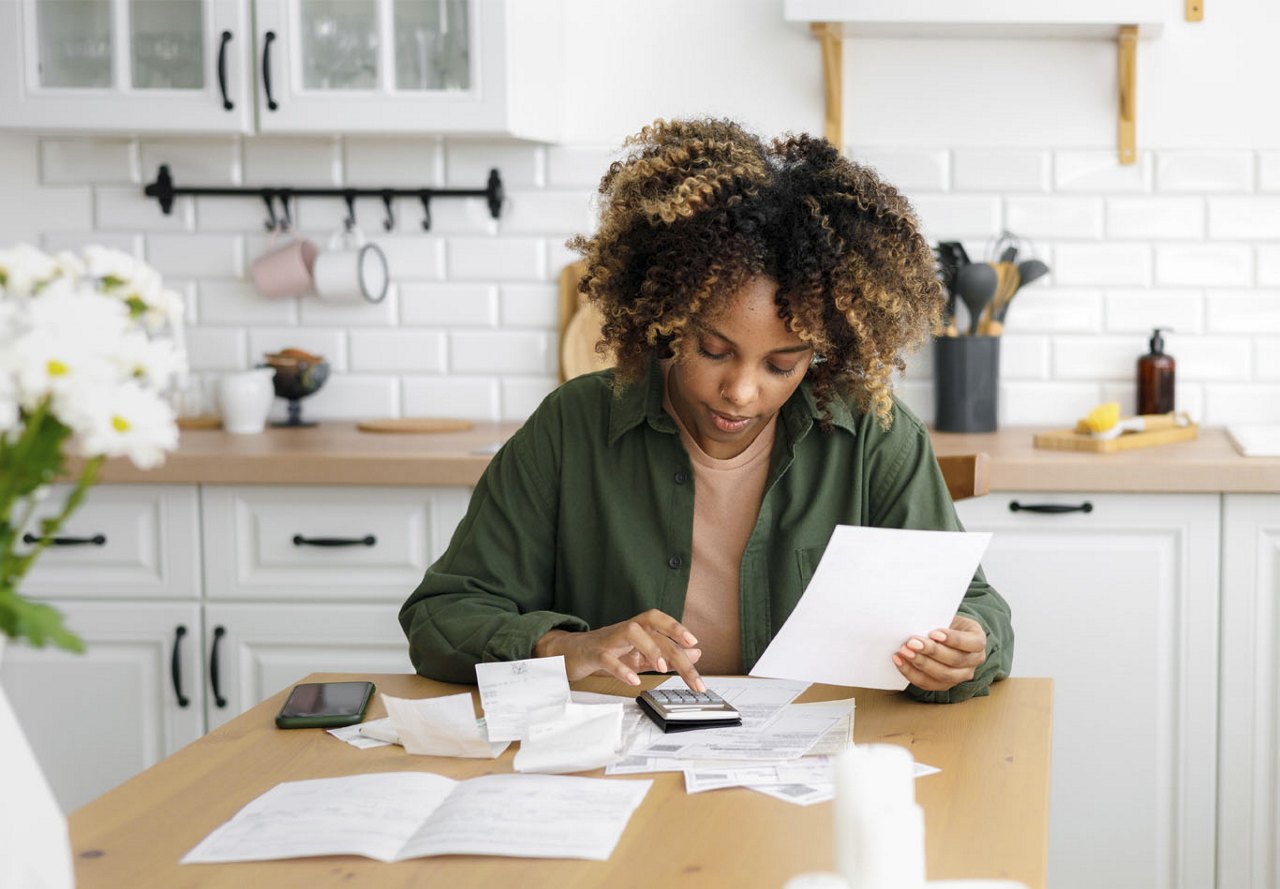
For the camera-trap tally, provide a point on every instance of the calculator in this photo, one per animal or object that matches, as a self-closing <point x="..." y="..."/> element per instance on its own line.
<point x="679" y="709"/>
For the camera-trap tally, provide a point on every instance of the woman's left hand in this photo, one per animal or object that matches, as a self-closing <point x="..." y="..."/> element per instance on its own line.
<point x="944" y="658"/>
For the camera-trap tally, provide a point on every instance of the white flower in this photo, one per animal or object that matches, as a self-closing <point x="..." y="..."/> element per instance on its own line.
<point x="9" y="416"/>
<point x="153" y="363"/>
<point x="24" y="270"/>
<point x="111" y="266"/>
<point x="126" y="420"/>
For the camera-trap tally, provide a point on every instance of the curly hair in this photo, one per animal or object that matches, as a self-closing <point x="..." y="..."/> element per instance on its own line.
<point x="696" y="208"/>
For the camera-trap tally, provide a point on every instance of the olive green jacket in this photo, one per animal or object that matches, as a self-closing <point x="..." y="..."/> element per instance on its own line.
<point x="585" y="518"/>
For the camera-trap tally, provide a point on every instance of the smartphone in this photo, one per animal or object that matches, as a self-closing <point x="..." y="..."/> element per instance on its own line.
<point x="325" y="705"/>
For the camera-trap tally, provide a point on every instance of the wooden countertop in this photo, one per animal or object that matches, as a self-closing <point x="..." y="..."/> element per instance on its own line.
<point x="339" y="454"/>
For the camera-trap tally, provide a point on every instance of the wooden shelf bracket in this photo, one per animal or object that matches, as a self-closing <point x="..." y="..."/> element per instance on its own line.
<point x="1127" y="48"/>
<point x="831" y="39"/>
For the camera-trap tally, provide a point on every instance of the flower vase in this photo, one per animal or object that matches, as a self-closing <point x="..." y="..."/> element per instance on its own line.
<point x="35" y="848"/>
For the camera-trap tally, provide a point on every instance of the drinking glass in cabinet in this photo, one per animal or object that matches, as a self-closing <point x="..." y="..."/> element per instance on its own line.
<point x="75" y="43"/>
<point x="339" y="44"/>
<point x="168" y="44"/>
<point x="432" y="45"/>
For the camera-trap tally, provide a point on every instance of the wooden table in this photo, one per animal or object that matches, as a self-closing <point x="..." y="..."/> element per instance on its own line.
<point x="986" y="813"/>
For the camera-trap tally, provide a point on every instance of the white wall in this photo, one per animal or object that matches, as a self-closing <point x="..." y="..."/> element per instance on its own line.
<point x="982" y="135"/>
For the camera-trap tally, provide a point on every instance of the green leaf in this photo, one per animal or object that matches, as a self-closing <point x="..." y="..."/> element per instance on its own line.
<point x="36" y="623"/>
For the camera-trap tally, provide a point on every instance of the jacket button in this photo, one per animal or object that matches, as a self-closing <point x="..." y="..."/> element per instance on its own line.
<point x="675" y="562"/>
<point x="681" y="477"/>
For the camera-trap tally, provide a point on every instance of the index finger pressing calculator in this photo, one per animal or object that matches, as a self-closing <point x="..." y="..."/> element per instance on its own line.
<point x="679" y="709"/>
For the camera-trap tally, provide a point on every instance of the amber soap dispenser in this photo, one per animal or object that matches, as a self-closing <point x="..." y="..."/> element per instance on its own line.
<point x="1155" y="377"/>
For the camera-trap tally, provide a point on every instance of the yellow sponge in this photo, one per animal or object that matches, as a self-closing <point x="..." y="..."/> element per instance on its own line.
<point x="1100" y="419"/>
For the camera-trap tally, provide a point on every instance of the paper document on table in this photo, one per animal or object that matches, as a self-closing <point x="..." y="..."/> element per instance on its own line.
<point x="356" y="736"/>
<point x="873" y="589"/>
<point x="509" y="690"/>
<point x="392" y="816"/>
<point x="789" y="736"/>
<point x="445" y="726"/>
<point x="573" y="738"/>
<point x="820" y="792"/>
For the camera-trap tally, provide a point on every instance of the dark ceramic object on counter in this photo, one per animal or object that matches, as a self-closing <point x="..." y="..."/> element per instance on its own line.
<point x="295" y="381"/>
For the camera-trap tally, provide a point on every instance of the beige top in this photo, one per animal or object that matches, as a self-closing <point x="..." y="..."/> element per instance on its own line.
<point x="726" y="502"/>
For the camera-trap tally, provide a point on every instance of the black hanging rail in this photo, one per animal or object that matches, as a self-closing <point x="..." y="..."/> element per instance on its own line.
<point x="164" y="191"/>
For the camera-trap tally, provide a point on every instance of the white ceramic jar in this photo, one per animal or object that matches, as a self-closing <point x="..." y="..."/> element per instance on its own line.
<point x="244" y="400"/>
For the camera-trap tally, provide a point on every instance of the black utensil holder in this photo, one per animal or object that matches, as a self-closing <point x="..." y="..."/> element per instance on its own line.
<point x="966" y="383"/>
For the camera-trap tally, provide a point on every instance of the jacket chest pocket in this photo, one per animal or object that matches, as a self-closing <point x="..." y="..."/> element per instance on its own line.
<point x="807" y="559"/>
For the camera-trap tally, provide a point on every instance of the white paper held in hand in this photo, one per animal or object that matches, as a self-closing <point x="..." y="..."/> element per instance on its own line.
<point x="511" y="690"/>
<point x="873" y="589"/>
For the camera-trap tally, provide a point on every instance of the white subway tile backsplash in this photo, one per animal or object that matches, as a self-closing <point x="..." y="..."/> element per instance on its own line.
<point x="547" y="212"/>
<point x="1207" y="359"/>
<point x="205" y="161"/>
<point x="521" y="395"/>
<point x="413" y="257"/>
<point x="1093" y="358"/>
<point x="1100" y="171"/>
<point x="1204" y="265"/>
<point x="577" y="167"/>
<point x="467" y="163"/>
<point x="1236" y="403"/>
<point x="237" y="302"/>
<point x="464" y="216"/>
<point x="125" y="208"/>
<point x="1102" y="265"/>
<point x="950" y="217"/>
<point x="1188" y="397"/>
<point x="910" y="170"/>
<point x="917" y="395"/>
<point x="197" y="256"/>
<point x="1038" y="309"/>
<point x="496" y="259"/>
<point x="503" y="352"/>
<point x="1268" y="265"/>
<point x="331" y="345"/>
<point x="1253" y="218"/>
<point x="1269" y="171"/>
<point x="1002" y="170"/>
<point x="226" y="214"/>
<point x="326" y="216"/>
<point x="1138" y="311"/>
<point x="1205" y="171"/>
<point x="293" y="162"/>
<point x="449" y="305"/>
<point x="349" y="397"/>
<point x="1250" y="311"/>
<point x="355" y="312"/>
<point x="1024" y="357"/>
<point x="410" y="351"/>
<point x="31" y="210"/>
<point x="393" y="163"/>
<point x="472" y="398"/>
<point x="55" y="242"/>
<point x="89" y="162"/>
<point x="1267" y="358"/>
<point x="217" y="349"/>
<point x="530" y="305"/>
<point x="1054" y="217"/>
<point x="558" y="256"/>
<point x="1056" y="404"/>
<point x="19" y="159"/>
<point x="1156" y="218"/>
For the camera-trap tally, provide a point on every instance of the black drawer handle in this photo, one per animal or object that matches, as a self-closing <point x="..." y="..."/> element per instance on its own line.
<point x="1015" y="506"/>
<point x="215" y="679"/>
<point x="227" y="104"/>
<point x="175" y="666"/>
<point x="367" y="540"/>
<point x="95" y="540"/>
<point x="266" y="69"/>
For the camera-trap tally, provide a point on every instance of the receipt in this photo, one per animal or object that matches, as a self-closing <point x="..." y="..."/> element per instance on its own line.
<point x="511" y="690"/>
<point x="572" y="738"/>
<point x="440" y="727"/>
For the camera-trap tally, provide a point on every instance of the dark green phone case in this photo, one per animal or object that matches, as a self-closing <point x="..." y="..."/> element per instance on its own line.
<point x="327" y="720"/>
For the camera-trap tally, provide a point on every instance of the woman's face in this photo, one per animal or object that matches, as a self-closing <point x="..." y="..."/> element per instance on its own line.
<point x="737" y="371"/>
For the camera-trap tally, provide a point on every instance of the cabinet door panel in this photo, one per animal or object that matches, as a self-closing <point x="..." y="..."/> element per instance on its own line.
<point x="98" y="718"/>
<point x="266" y="648"/>
<point x="1119" y="607"/>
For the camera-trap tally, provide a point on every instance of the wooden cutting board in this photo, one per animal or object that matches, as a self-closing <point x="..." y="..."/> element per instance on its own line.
<point x="415" y="424"/>
<point x="1070" y="440"/>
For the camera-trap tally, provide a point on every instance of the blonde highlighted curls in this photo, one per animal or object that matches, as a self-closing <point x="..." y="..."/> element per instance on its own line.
<point x="697" y="208"/>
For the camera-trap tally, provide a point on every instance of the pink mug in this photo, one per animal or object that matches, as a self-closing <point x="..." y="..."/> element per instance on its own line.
<point x="285" y="270"/>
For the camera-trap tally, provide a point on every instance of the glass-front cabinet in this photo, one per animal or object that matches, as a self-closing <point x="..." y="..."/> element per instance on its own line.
<point x="124" y="65"/>
<point x="305" y="66"/>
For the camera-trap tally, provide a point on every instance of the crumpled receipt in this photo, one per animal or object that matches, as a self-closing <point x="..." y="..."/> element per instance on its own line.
<point x="570" y="737"/>
<point x="444" y="726"/>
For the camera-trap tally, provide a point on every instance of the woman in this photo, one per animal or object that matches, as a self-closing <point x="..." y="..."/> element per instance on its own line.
<point x="668" y="513"/>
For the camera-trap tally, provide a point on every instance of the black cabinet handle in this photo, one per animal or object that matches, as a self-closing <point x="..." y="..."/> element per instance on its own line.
<point x="215" y="680"/>
<point x="367" y="540"/>
<point x="227" y="104"/>
<point x="175" y="666"/>
<point x="1015" y="506"/>
<point x="95" y="540"/>
<point x="266" y="69"/>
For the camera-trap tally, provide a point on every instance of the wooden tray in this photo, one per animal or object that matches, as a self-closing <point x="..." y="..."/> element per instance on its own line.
<point x="203" y="421"/>
<point x="1070" y="440"/>
<point x="415" y="424"/>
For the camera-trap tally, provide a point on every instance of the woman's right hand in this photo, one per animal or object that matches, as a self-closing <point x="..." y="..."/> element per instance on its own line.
<point x="649" y="641"/>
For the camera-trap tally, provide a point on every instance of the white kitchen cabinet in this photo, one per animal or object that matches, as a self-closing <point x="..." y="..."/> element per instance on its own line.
<point x="132" y="698"/>
<point x="126" y="65"/>
<point x="305" y="66"/>
<point x="1119" y="605"/>
<point x="1248" y="776"/>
